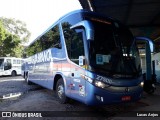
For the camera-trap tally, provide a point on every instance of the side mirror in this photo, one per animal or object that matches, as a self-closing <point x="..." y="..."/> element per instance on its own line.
<point x="81" y="60"/>
<point x="88" y="28"/>
<point x="147" y="41"/>
<point x="149" y="47"/>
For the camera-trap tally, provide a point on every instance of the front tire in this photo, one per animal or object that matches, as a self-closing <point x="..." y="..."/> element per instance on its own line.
<point x="26" y="79"/>
<point x="60" y="91"/>
<point x="13" y="74"/>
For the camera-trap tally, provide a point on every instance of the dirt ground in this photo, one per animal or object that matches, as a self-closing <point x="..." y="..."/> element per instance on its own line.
<point x="35" y="98"/>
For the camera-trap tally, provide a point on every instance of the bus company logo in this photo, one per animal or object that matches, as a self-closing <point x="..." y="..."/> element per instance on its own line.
<point x="44" y="56"/>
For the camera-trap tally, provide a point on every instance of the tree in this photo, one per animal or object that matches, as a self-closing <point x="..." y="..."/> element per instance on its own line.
<point x="12" y="46"/>
<point x="2" y="36"/>
<point x="2" y="33"/>
<point x="16" y="27"/>
<point x="13" y="34"/>
<point x="9" y="43"/>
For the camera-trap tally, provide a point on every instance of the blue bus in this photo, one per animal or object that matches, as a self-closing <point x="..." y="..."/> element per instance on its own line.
<point x="87" y="57"/>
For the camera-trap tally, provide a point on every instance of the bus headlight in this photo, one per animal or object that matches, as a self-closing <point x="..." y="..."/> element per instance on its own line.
<point x="142" y="84"/>
<point x="95" y="82"/>
<point x="87" y="78"/>
<point x="100" y="84"/>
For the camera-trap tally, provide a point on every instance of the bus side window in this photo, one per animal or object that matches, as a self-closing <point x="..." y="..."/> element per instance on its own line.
<point x="18" y="62"/>
<point x="7" y="64"/>
<point x="51" y="39"/>
<point x="14" y="61"/>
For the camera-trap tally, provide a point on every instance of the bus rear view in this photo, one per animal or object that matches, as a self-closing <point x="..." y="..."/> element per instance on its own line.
<point x="96" y="61"/>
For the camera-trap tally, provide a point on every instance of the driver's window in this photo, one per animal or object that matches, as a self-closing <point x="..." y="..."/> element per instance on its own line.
<point x="77" y="47"/>
<point x="74" y="42"/>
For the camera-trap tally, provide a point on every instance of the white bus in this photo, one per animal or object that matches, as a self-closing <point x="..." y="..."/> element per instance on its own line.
<point x="10" y="66"/>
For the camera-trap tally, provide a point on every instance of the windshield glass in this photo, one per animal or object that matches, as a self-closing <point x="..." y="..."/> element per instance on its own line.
<point x="113" y="50"/>
<point x="1" y="63"/>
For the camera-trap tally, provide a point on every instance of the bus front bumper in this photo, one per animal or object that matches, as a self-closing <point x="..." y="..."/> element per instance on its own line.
<point x="112" y="95"/>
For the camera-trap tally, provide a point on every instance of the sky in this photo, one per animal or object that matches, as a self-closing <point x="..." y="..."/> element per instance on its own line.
<point x="37" y="14"/>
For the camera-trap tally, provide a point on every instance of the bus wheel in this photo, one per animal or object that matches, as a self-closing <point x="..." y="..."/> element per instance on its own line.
<point x="60" y="91"/>
<point x="26" y="79"/>
<point x="13" y="73"/>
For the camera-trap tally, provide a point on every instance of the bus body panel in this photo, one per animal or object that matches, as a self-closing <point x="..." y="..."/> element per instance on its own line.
<point x="42" y="71"/>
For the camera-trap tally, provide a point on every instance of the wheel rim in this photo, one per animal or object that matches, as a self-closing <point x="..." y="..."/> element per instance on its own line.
<point x="60" y="91"/>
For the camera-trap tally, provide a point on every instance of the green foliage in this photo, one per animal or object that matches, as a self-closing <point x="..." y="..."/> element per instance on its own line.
<point x="2" y="33"/>
<point x="13" y="33"/>
<point x="9" y="43"/>
<point x="16" y="27"/>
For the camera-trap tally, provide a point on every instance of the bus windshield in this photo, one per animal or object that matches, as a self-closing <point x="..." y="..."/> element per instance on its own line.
<point x="1" y="63"/>
<point x="114" y="51"/>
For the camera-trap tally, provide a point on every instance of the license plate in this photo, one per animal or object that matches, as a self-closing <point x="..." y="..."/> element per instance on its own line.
<point x="126" y="98"/>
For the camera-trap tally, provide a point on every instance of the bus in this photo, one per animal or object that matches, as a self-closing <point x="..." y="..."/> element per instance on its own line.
<point x="86" y="57"/>
<point x="10" y="66"/>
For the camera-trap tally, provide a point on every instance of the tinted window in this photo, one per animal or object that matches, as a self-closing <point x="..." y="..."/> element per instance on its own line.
<point x="113" y="50"/>
<point x="50" y="39"/>
<point x="1" y="63"/>
<point x="74" y="42"/>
